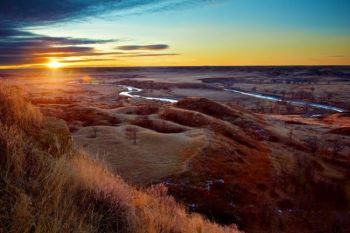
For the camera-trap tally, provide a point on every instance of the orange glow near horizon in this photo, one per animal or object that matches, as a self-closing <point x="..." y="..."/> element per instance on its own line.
<point x="54" y="64"/>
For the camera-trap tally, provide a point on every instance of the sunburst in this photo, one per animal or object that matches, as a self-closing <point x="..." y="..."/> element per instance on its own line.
<point x="54" y="64"/>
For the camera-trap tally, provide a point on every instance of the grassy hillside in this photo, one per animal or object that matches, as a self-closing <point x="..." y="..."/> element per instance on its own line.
<point x="48" y="186"/>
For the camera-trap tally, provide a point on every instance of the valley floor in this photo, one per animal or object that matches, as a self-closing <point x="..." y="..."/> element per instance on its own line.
<point x="267" y="167"/>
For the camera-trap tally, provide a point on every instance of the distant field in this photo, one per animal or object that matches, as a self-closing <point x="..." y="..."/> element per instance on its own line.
<point x="234" y="158"/>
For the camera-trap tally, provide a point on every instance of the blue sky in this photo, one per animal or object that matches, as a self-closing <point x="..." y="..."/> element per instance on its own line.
<point x="222" y="32"/>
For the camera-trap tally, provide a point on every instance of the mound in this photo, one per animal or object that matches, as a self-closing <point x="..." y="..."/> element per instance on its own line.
<point x="145" y="109"/>
<point x="159" y="126"/>
<point x="196" y="119"/>
<point x="139" y="155"/>
<point x="222" y="178"/>
<point x="60" y="190"/>
<point x="342" y="131"/>
<point x="340" y="119"/>
<point x="232" y="173"/>
<point x="87" y="116"/>
<point x="249" y="122"/>
<point x="211" y="108"/>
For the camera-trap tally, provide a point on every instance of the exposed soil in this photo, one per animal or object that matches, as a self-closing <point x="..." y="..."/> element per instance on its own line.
<point x="262" y="165"/>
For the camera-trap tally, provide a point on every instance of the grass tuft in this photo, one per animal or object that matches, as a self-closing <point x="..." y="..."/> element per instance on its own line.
<point x="48" y="186"/>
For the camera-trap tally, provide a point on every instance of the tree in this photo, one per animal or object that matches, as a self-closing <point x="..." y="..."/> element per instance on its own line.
<point x="143" y="121"/>
<point x="259" y="107"/>
<point x="283" y="174"/>
<point x="329" y="95"/>
<point x="95" y="132"/>
<point x="305" y="109"/>
<point x="312" y="143"/>
<point x="131" y="132"/>
<point x="290" y="135"/>
<point x="336" y="147"/>
<point x="312" y="96"/>
<point x="289" y="108"/>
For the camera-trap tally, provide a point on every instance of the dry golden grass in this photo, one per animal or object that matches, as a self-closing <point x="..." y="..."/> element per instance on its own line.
<point x="153" y="157"/>
<point x="15" y="109"/>
<point x="36" y="192"/>
<point x="46" y="186"/>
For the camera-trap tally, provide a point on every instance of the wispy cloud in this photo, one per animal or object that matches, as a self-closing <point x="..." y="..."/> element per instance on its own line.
<point x="151" y="55"/>
<point x="144" y="47"/>
<point x="19" y="46"/>
<point x="338" y="56"/>
<point x="21" y="13"/>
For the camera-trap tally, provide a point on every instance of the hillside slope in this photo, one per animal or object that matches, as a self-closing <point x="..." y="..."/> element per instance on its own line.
<point x="48" y="186"/>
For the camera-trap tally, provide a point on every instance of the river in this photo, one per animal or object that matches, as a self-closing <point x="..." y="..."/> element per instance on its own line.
<point x="293" y="102"/>
<point x="132" y="92"/>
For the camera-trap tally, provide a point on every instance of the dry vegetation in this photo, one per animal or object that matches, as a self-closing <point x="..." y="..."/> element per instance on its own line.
<point x="47" y="186"/>
<point x="267" y="167"/>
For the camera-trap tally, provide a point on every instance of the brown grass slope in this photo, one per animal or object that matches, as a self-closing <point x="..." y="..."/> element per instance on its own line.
<point x="238" y="118"/>
<point x="224" y="181"/>
<point x="47" y="186"/>
<point x="214" y="109"/>
<point x="200" y="120"/>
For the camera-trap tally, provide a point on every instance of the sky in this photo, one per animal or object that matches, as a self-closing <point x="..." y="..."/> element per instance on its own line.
<point x="89" y="33"/>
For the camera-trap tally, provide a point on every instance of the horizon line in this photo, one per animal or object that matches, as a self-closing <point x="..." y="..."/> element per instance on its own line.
<point x="171" y="66"/>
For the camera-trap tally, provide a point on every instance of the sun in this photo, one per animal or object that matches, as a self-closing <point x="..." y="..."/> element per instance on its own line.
<point x="54" y="64"/>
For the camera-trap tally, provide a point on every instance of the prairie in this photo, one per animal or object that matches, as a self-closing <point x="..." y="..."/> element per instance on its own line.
<point x="266" y="166"/>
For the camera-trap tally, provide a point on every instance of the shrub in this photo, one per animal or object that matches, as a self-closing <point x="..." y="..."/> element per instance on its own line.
<point x="47" y="186"/>
<point x="157" y="125"/>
